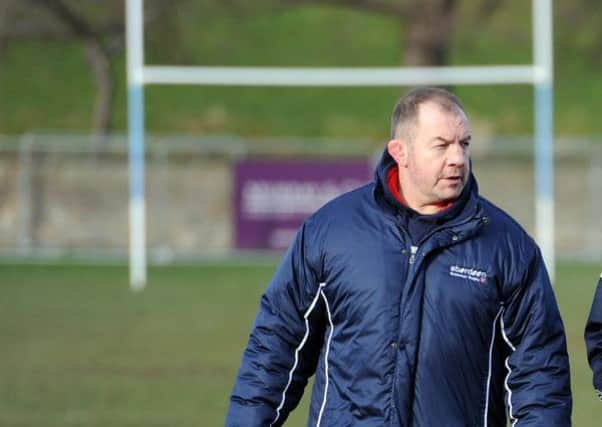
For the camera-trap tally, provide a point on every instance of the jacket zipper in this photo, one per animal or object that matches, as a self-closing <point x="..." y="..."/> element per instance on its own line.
<point x="413" y="251"/>
<point x="393" y="416"/>
<point x="412" y="261"/>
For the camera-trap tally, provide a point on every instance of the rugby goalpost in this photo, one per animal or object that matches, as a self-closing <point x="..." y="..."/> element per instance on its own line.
<point x="539" y="74"/>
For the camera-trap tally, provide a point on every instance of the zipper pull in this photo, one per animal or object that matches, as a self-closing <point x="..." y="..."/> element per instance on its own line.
<point x="413" y="251"/>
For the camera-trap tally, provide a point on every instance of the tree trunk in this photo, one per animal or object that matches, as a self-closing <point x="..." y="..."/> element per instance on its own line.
<point x="99" y="62"/>
<point x="428" y="32"/>
<point x="97" y="56"/>
<point x="6" y="8"/>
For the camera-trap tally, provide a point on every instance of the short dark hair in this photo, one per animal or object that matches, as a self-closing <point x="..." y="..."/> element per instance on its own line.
<point x="406" y="109"/>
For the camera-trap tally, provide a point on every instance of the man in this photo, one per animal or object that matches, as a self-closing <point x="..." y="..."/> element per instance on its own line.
<point x="593" y="338"/>
<point x="415" y="301"/>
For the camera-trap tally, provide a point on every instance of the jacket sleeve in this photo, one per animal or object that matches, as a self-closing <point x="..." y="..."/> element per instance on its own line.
<point x="537" y="383"/>
<point x="593" y="338"/>
<point x="284" y="344"/>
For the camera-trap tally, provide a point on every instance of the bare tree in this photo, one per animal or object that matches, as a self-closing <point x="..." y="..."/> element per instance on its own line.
<point x="98" y="26"/>
<point x="98" y="56"/>
<point x="583" y="18"/>
<point x="6" y="11"/>
<point x="426" y="25"/>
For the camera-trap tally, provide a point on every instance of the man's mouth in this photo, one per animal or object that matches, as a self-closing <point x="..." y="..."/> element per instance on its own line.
<point x="454" y="178"/>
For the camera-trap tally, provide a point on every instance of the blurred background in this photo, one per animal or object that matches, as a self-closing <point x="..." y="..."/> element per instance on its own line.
<point x="78" y="348"/>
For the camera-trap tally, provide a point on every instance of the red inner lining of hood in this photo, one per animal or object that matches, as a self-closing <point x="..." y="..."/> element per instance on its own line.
<point x="395" y="188"/>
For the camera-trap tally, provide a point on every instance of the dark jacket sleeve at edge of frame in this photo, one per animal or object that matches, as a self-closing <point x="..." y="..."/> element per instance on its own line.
<point x="538" y="385"/>
<point x="284" y="344"/>
<point x="593" y="338"/>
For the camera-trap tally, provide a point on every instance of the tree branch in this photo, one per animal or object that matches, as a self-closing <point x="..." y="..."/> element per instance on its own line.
<point x="76" y="24"/>
<point x="376" y="6"/>
<point x="97" y="56"/>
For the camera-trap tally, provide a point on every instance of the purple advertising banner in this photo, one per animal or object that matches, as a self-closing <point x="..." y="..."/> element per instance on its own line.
<point x="273" y="197"/>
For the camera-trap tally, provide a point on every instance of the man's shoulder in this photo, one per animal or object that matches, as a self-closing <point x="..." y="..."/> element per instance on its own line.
<point x="514" y="252"/>
<point x="501" y="222"/>
<point x="346" y="202"/>
<point x="341" y="211"/>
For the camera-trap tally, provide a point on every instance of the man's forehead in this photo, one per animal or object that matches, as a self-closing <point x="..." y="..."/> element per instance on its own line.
<point x="431" y="113"/>
<point x="436" y="109"/>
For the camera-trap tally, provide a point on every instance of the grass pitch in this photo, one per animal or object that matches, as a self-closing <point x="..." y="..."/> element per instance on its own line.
<point x="78" y="348"/>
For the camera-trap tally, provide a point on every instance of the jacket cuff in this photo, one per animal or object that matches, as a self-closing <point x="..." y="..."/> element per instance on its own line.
<point x="598" y="383"/>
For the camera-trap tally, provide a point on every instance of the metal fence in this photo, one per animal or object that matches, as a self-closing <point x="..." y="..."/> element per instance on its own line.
<point x="67" y="195"/>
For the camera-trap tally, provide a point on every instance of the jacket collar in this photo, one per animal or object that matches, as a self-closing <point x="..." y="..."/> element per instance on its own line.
<point x="467" y="205"/>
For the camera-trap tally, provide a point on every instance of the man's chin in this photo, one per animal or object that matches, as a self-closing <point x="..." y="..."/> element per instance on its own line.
<point x="451" y="195"/>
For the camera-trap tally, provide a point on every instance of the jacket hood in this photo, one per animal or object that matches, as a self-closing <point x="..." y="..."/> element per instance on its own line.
<point x="470" y="191"/>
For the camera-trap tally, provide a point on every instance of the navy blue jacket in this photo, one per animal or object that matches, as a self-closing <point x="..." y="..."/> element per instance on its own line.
<point x="445" y="332"/>
<point x="593" y="338"/>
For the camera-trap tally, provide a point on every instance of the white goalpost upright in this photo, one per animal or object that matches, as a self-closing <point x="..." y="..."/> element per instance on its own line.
<point x="539" y="74"/>
<point x="135" y="81"/>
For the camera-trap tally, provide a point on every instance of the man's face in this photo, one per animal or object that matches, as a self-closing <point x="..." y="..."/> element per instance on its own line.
<point x="437" y="157"/>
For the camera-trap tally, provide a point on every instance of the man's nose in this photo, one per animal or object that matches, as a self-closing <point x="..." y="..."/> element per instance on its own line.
<point x="458" y="154"/>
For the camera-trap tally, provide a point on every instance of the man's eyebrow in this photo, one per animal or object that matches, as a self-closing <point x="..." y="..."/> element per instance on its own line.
<point x="467" y="138"/>
<point x="441" y="139"/>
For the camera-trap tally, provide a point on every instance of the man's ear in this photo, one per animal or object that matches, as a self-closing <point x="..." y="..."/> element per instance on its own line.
<point x="399" y="151"/>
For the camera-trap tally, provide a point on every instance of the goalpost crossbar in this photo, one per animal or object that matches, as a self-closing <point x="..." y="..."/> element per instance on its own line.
<point x="539" y="74"/>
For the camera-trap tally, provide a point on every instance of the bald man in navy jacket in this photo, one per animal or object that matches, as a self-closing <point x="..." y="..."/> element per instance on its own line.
<point x="593" y="338"/>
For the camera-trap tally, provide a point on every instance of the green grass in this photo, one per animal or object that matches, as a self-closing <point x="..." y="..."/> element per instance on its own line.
<point x="47" y="85"/>
<point x="78" y="348"/>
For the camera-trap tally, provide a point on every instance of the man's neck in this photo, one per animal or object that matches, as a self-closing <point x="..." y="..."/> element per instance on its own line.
<point x="394" y="181"/>
<point x="428" y="208"/>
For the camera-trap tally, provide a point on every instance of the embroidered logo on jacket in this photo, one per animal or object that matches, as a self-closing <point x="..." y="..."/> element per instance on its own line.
<point x="468" y="273"/>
